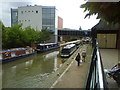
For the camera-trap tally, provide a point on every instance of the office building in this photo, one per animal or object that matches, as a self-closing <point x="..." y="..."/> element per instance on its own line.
<point x="14" y="16"/>
<point x="38" y="17"/>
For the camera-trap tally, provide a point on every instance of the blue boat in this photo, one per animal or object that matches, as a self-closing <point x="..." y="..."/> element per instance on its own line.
<point x="47" y="47"/>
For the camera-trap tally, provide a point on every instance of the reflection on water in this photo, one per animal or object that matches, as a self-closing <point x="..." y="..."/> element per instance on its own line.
<point x="31" y="71"/>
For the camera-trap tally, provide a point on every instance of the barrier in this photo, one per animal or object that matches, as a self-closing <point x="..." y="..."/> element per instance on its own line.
<point x="96" y="77"/>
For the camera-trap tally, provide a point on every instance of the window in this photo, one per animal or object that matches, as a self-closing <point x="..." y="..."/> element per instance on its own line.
<point x="16" y="14"/>
<point x="22" y="12"/>
<point x="19" y="20"/>
<point x="48" y="10"/>
<point x="36" y="11"/>
<point x="52" y="10"/>
<point x="32" y="11"/>
<point x="48" y="21"/>
<point x="28" y="11"/>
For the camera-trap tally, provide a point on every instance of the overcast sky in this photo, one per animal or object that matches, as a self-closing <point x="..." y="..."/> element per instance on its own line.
<point x="69" y="10"/>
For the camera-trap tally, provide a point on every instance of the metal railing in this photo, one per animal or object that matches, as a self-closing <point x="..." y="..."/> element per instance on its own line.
<point x="96" y="78"/>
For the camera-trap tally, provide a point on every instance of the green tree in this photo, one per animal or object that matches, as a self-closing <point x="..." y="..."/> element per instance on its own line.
<point x="15" y="37"/>
<point x="44" y="35"/>
<point x="4" y="35"/>
<point x="107" y="11"/>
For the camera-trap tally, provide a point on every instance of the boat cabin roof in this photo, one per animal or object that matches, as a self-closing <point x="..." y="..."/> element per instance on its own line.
<point x="69" y="46"/>
<point x="14" y="50"/>
<point x="44" y="44"/>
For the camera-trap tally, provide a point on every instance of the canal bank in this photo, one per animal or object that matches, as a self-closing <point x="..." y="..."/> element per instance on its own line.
<point x="70" y="72"/>
<point x="36" y="71"/>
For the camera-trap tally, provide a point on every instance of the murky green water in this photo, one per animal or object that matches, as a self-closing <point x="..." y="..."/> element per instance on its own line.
<point x="29" y="72"/>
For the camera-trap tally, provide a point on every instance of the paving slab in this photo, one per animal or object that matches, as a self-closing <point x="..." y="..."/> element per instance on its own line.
<point x="109" y="59"/>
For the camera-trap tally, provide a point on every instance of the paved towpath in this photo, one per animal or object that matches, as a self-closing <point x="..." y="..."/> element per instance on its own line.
<point x="75" y="77"/>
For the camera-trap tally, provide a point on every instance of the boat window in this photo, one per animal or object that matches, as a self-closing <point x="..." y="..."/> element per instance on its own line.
<point x="65" y="51"/>
<point x="40" y="47"/>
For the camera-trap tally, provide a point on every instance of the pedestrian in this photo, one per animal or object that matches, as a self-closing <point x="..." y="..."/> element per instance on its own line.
<point x="78" y="59"/>
<point x="83" y="55"/>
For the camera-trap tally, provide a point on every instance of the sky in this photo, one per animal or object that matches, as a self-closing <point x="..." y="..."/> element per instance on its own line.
<point x="69" y="10"/>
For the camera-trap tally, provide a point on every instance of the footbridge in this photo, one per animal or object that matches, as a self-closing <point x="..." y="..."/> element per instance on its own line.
<point x="73" y="32"/>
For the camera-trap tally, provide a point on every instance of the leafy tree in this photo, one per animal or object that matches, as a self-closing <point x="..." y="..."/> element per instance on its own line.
<point x="4" y="34"/>
<point x="15" y="37"/>
<point x="44" y="35"/>
<point x="31" y="35"/>
<point x="108" y="11"/>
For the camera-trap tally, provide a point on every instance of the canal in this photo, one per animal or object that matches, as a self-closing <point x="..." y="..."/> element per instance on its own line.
<point x="29" y="72"/>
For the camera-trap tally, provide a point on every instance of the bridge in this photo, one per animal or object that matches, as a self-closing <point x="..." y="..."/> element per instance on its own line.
<point x="73" y="32"/>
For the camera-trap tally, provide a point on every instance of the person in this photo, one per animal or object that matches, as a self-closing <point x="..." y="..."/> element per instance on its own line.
<point x="83" y="55"/>
<point x="115" y="73"/>
<point x="116" y="67"/>
<point x="78" y="59"/>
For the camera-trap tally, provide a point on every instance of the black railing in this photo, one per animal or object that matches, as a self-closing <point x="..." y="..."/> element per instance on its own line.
<point x="96" y="78"/>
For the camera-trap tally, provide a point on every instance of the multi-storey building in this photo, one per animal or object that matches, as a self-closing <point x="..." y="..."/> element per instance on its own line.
<point x="38" y="17"/>
<point x="14" y="16"/>
<point x="60" y="23"/>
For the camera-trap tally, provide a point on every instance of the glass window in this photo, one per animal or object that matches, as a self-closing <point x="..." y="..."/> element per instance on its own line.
<point x="52" y="10"/>
<point x="48" y="21"/>
<point x="48" y="16"/>
<point x="22" y="12"/>
<point x="46" y="10"/>
<point x="36" y="11"/>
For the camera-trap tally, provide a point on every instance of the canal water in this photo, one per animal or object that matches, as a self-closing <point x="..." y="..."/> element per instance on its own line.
<point x="29" y="72"/>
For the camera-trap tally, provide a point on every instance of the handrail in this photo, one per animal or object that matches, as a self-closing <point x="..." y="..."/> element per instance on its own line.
<point x="96" y="78"/>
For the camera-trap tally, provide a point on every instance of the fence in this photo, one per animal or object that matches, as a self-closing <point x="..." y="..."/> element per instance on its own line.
<point x="96" y="77"/>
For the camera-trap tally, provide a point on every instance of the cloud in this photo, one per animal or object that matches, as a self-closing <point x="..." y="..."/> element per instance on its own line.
<point x="5" y="9"/>
<point x="69" y="10"/>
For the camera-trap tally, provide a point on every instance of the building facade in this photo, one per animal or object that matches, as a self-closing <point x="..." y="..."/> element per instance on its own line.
<point x="14" y="16"/>
<point x="107" y="35"/>
<point x="38" y="17"/>
<point x="30" y="16"/>
<point x="60" y="23"/>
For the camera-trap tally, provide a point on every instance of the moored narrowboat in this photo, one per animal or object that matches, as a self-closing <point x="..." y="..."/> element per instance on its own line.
<point x="68" y="50"/>
<point x="14" y="54"/>
<point x="47" y="47"/>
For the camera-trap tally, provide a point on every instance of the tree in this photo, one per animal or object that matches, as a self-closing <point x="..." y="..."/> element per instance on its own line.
<point x="108" y="11"/>
<point x="31" y="35"/>
<point x="44" y="35"/>
<point x="15" y="37"/>
<point x="4" y="34"/>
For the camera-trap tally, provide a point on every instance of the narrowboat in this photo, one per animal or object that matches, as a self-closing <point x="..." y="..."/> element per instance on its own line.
<point x="77" y="44"/>
<point x="68" y="50"/>
<point x="47" y="47"/>
<point x="14" y="54"/>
